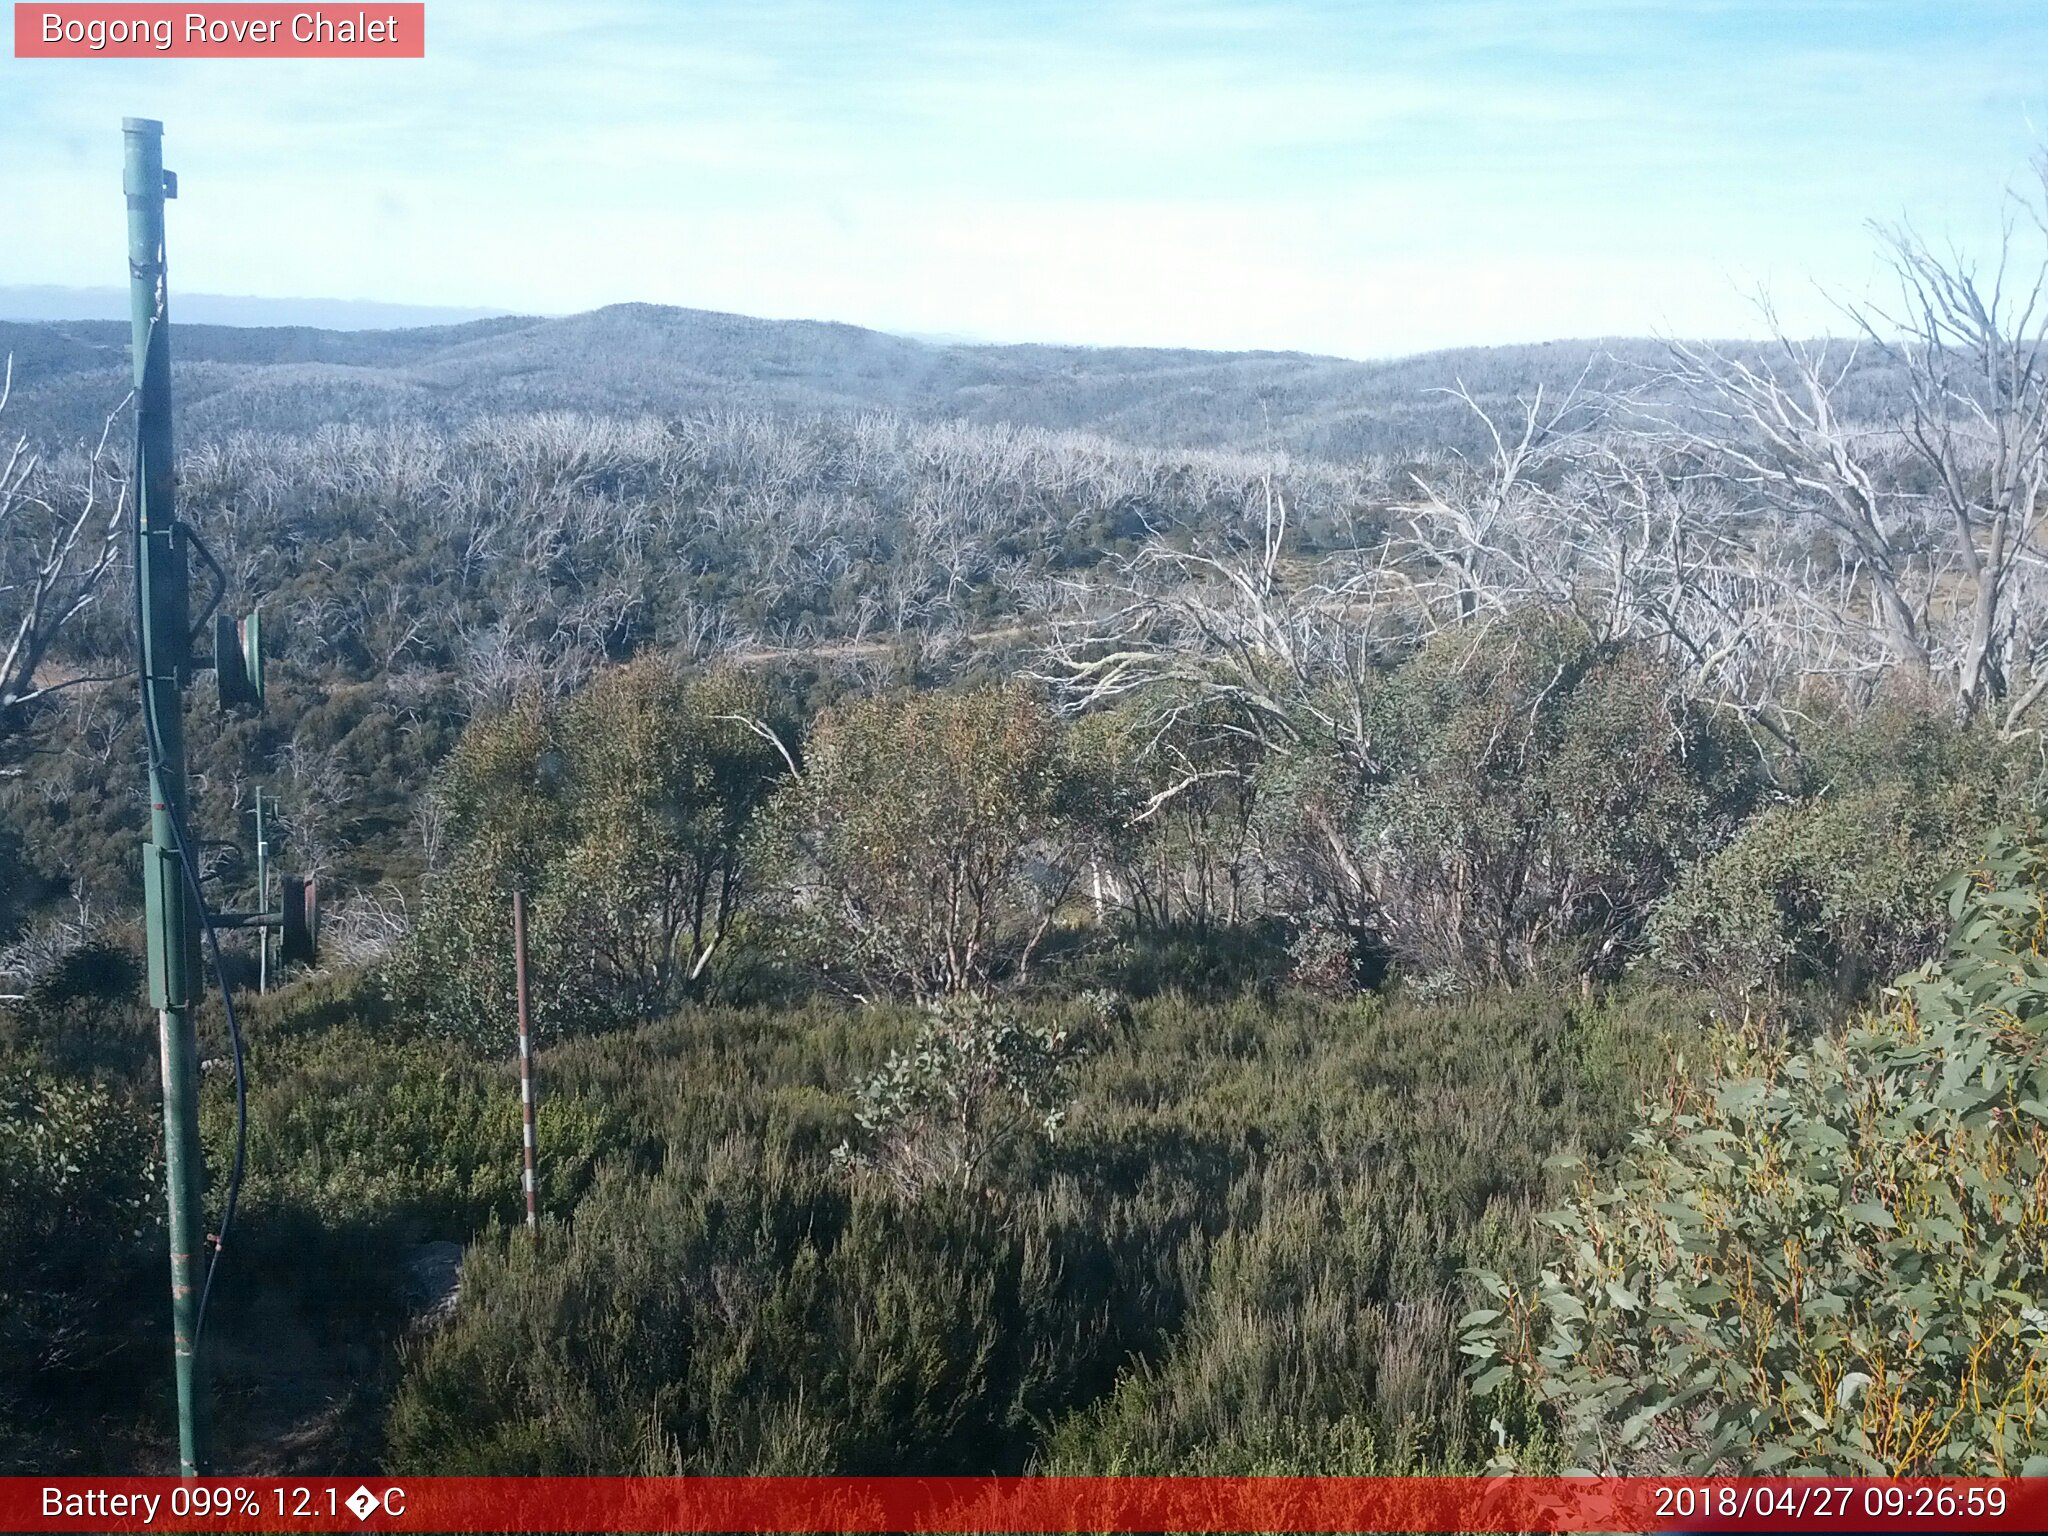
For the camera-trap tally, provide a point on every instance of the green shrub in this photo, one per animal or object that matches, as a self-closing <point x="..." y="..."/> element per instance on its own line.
<point x="624" y="814"/>
<point x="1179" y="1277"/>
<point x="324" y="1000"/>
<point x="79" y="1210"/>
<point x="763" y="1320"/>
<point x="977" y="1083"/>
<point x="1841" y="887"/>
<point x="933" y="839"/>
<point x="356" y="1128"/>
<point x="1832" y="1260"/>
<point x="1526" y="800"/>
<point x="1358" y="1155"/>
<point x="1213" y="961"/>
<point x="78" y="1007"/>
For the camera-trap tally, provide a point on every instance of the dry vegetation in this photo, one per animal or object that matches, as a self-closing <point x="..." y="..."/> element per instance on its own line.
<point x="1049" y="952"/>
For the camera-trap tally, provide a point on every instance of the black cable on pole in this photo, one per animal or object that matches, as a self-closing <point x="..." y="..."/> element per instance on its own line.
<point x="153" y="744"/>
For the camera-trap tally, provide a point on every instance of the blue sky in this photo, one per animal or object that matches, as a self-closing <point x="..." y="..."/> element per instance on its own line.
<point x="1358" y="178"/>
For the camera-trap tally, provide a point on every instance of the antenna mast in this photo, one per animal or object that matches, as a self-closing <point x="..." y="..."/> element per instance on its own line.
<point x="175" y="910"/>
<point x="164" y="613"/>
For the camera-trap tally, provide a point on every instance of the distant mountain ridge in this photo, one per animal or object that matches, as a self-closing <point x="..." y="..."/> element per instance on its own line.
<point x="633" y="359"/>
<point x="49" y="301"/>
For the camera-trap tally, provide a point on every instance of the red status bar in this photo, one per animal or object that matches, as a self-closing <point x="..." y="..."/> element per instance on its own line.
<point x="910" y="1504"/>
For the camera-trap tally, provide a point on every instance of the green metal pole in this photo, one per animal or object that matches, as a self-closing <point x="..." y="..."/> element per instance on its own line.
<point x="161" y="581"/>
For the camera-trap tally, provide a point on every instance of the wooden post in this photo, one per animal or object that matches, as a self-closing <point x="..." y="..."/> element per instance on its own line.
<point x="525" y="1056"/>
<point x="262" y="897"/>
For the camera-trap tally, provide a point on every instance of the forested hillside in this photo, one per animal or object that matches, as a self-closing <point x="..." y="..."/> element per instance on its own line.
<point x="632" y="359"/>
<point x="1084" y="904"/>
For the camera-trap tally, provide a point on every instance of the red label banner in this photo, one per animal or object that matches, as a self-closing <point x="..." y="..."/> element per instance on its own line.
<point x="242" y="31"/>
<point x="1048" y="1504"/>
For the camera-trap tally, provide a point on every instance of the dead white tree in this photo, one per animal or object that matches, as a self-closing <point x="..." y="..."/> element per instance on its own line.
<point x="1735" y="513"/>
<point x="1241" y="647"/>
<point x="1971" y="344"/>
<point x="1476" y="535"/>
<point x="1769" y="431"/>
<point x="60" y="534"/>
<point x="1286" y="645"/>
<point x="1923" y="525"/>
<point x="1582" y="515"/>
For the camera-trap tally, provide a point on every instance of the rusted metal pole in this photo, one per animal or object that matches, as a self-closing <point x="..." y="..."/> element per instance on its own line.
<point x="525" y="1055"/>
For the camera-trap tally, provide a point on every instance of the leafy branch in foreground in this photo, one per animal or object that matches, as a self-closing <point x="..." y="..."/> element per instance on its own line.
<point x="1832" y="1259"/>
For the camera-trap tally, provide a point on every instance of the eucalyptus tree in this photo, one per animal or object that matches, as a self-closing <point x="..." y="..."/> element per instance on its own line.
<point x="934" y="839"/>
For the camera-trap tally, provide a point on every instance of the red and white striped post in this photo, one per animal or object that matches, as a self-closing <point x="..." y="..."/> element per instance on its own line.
<point x="525" y="1055"/>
